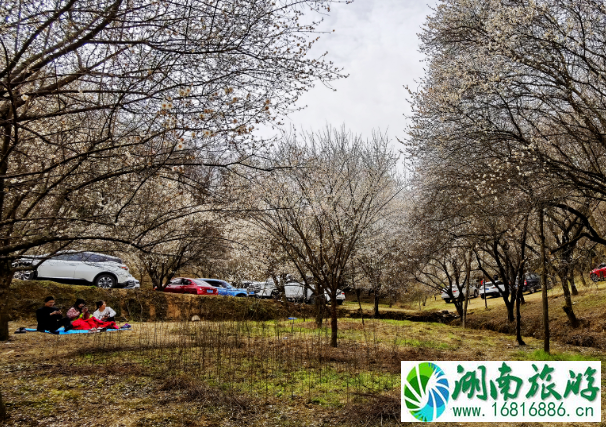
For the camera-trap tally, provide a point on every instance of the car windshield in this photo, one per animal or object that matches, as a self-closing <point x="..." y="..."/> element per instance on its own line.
<point x="200" y="282"/>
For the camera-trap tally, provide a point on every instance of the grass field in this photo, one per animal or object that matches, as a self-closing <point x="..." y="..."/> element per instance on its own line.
<point x="276" y="373"/>
<point x="437" y="303"/>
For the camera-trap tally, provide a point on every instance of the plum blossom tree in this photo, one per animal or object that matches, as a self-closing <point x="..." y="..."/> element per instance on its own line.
<point x="325" y="194"/>
<point x="97" y="98"/>
<point x="511" y="105"/>
<point x="379" y="259"/>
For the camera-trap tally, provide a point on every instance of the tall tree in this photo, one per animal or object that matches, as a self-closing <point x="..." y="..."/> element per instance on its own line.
<point x="98" y="97"/>
<point x="326" y="193"/>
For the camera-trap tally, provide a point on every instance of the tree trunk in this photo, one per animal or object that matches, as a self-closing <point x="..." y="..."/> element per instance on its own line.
<point x="3" y="413"/>
<point x="509" y="305"/>
<point x="458" y="303"/>
<point x="358" y="292"/>
<point x="582" y="276"/>
<point x="574" y="322"/>
<point x="468" y="282"/>
<point x="571" y="281"/>
<point x="544" y="286"/>
<point x="3" y="324"/>
<point x="333" y="323"/>
<point x="319" y="309"/>
<point x="376" y="304"/>
<point x="519" y="317"/>
<point x="6" y="276"/>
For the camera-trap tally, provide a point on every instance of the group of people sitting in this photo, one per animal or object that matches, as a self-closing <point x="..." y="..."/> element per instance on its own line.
<point x="50" y="318"/>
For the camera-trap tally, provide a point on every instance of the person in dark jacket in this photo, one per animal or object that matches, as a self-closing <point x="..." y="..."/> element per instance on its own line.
<point x="50" y="318"/>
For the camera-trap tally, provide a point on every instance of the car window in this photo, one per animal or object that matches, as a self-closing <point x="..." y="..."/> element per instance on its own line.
<point x="202" y="282"/>
<point x="90" y="257"/>
<point x="216" y="283"/>
<point x="68" y="257"/>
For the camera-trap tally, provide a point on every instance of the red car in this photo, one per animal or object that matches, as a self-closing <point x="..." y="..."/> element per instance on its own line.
<point x="598" y="273"/>
<point x="182" y="285"/>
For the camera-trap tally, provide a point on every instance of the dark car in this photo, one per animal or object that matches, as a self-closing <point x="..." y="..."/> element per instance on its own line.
<point x="598" y="273"/>
<point x="532" y="283"/>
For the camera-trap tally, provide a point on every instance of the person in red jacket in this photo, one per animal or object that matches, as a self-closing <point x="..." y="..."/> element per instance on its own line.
<point x="82" y="319"/>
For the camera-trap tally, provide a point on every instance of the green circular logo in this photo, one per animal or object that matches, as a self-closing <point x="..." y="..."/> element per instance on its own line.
<point x="426" y="391"/>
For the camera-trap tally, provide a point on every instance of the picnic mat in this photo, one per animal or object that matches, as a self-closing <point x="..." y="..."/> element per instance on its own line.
<point x="73" y="331"/>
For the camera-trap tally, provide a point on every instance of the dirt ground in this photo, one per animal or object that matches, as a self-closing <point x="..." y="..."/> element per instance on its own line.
<point x="131" y="379"/>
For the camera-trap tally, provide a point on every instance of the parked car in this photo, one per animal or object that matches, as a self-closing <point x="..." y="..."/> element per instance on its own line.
<point x="183" y="285"/>
<point x="226" y="289"/>
<point x="103" y="271"/>
<point x="297" y="292"/>
<point x="264" y="289"/>
<point x="532" y="283"/>
<point x="598" y="273"/>
<point x="473" y="293"/>
<point x="489" y="289"/>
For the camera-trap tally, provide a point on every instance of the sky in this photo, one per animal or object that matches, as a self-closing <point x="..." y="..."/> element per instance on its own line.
<point x="376" y="43"/>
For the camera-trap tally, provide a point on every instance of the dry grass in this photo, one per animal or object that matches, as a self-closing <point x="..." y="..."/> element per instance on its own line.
<point x="588" y="306"/>
<point x="232" y="373"/>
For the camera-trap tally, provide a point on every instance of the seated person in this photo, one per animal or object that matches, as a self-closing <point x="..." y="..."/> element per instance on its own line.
<point x="104" y="313"/>
<point x="76" y="311"/>
<point x="82" y="319"/>
<point x="50" y="318"/>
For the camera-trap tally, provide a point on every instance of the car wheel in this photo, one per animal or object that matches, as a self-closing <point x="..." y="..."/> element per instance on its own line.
<point x="25" y="275"/>
<point x="339" y="302"/>
<point x="241" y="295"/>
<point x="475" y="294"/>
<point x="594" y="277"/>
<point x="105" y="281"/>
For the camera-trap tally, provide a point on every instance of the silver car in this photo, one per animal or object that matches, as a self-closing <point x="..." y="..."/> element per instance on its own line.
<point x="263" y="289"/>
<point x="473" y="293"/>
<point x="491" y="289"/>
<point x="297" y="292"/>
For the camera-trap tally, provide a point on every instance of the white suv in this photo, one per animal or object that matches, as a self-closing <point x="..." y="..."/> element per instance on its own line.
<point x="101" y="270"/>
<point x="473" y="293"/>
<point x="297" y="292"/>
<point x="263" y="289"/>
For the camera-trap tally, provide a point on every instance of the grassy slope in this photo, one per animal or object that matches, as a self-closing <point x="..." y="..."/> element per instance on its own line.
<point x="146" y="304"/>
<point x="589" y="306"/>
<point x="273" y="373"/>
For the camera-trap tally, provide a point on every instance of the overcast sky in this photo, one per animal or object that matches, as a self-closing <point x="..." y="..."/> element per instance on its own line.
<point x="377" y="45"/>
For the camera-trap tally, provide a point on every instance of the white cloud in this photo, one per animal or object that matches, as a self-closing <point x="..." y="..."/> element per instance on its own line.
<point x="377" y="44"/>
